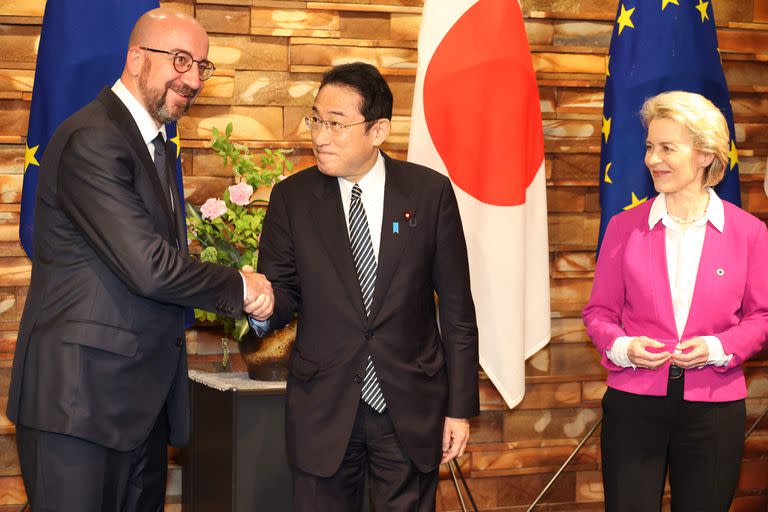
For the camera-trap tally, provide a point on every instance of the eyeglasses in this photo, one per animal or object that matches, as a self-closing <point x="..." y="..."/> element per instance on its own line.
<point x="182" y="62"/>
<point x="314" y="123"/>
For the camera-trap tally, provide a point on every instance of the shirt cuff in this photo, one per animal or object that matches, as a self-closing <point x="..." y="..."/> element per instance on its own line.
<point x="618" y="352"/>
<point x="717" y="355"/>
<point x="260" y="327"/>
<point x="245" y="287"/>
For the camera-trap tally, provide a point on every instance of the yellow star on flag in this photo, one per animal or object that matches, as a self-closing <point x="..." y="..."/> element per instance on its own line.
<point x="29" y="157"/>
<point x="635" y="202"/>
<point x="665" y="3"/>
<point x="176" y="141"/>
<point x="608" y="168"/>
<point x="606" y="128"/>
<point x="625" y="18"/>
<point x="702" y="7"/>
<point x="733" y="155"/>
<point x="607" y="66"/>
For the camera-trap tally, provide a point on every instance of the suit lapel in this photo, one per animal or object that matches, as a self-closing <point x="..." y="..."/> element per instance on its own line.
<point x="396" y="191"/>
<point x="122" y="117"/>
<point x="331" y="227"/>
<point x="710" y="255"/>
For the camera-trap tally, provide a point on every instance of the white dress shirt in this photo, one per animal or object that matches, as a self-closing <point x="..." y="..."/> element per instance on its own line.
<point x="372" y="185"/>
<point x="684" y="243"/>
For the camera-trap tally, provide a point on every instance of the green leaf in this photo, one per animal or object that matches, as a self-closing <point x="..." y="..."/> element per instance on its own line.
<point x="241" y="328"/>
<point x="193" y="212"/>
<point x="209" y="254"/>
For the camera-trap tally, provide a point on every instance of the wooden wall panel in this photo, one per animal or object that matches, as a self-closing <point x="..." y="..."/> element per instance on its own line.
<point x="270" y="56"/>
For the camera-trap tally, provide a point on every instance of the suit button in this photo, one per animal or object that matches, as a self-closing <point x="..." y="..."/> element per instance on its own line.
<point x="368" y="335"/>
<point x="358" y="379"/>
<point x="179" y="342"/>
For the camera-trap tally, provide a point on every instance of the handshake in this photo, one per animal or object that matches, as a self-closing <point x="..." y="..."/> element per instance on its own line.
<point x="259" y="298"/>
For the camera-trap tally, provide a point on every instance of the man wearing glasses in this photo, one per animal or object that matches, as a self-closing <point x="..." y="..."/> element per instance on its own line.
<point x="99" y="382"/>
<point x="359" y="246"/>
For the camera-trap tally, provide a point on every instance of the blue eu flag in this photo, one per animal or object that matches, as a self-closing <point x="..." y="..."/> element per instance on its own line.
<point x="82" y="49"/>
<point x="656" y="46"/>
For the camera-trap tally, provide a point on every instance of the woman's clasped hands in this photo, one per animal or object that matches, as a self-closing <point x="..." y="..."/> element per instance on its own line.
<point x="648" y="353"/>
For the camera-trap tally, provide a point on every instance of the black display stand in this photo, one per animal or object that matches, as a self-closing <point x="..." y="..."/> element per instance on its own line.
<point x="236" y="460"/>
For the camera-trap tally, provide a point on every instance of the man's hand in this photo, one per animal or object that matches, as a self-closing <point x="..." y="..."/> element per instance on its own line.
<point x="640" y="356"/>
<point x="455" y="437"/>
<point x="260" y="299"/>
<point x="698" y="355"/>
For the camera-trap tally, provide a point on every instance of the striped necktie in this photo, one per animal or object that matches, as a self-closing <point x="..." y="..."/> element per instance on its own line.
<point x="365" y="263"/>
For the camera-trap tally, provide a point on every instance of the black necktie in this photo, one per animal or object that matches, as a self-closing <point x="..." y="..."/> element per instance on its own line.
<point x="161" y="166"/>
<point x="365" y="263"/>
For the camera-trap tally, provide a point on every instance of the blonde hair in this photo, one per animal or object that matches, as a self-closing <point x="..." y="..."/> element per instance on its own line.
<point x="703" y="121"/>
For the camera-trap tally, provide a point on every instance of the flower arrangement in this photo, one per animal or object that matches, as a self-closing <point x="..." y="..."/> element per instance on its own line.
<point x="227" y="229"/>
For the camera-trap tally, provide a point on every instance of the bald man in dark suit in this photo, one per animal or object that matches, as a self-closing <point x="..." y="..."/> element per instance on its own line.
<point x="99" y="383"/>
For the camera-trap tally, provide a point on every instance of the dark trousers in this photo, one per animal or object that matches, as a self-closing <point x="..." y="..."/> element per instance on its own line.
<point x="64" y="473"/>
<point x="396" y="484"/>
<point x="700" y="442"/>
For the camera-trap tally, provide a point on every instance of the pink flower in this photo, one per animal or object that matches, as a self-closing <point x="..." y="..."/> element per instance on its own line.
<point x="240" y="194"/>
<point x="213" y="208"/>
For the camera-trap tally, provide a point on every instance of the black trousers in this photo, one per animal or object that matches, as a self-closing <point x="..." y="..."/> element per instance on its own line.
<point x="700" y="443"/>
<point x="63" y="473"/>
<point x="396" y="484"/>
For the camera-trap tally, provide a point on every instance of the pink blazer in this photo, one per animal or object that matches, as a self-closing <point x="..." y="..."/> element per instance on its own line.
<point x="631" y="297"/>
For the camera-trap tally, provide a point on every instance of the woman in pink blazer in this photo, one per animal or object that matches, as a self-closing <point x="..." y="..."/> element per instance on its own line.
<point x="680" y="301"/>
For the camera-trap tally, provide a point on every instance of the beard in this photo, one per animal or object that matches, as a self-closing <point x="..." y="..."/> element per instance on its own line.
<point x="156" y="99"/>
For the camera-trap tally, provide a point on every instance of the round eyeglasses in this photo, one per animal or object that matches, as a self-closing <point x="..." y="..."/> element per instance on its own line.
<point x="182" y="62"/>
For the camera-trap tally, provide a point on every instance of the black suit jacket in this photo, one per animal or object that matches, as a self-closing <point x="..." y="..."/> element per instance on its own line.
<point x="425" y="376"/>
<point x="101" y="344"/>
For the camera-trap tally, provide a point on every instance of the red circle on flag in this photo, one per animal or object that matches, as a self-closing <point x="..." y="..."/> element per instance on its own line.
<point x="481" y="104"/>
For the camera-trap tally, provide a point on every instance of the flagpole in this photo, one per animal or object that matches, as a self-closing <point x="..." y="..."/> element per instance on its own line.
<point x="466" y="487"/>
<point x="454" y="467"/>
<point x="756" y="423"/>
<point x="567" y="461"/>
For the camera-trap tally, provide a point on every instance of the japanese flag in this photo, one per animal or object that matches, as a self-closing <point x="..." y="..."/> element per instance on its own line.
<point x="476" y="118"/>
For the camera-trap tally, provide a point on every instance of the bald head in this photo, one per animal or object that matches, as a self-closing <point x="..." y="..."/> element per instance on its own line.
<point x="166" y="63"/>
<point x="154" y="23"/>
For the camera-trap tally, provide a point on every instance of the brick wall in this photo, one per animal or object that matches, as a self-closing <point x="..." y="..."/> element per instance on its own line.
<point x="270" y="55"/>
